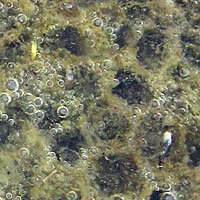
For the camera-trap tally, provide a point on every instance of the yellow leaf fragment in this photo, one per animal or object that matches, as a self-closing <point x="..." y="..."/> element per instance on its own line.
<point x="33" y="50"/>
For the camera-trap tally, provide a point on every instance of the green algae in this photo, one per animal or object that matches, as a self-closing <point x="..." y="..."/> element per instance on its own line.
<point x="127" y="71"/>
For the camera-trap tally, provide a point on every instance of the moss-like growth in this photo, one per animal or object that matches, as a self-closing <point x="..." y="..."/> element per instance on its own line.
<point x="68" y="38"/>
<point x="115" y="126"/>
<point x="117" y="173"/>
<point x="5" y="131"/>
<point x="150" y="48"/>
<point x="133" y="89"/>
<point x="85" y="83"/>
<point x="68" y="144"/>
<point x="150" y="130"/>
<point x="13" y="50"/>
<point x="123" y="35"/>
<point x="193" y="146"/>
<point x="71" y="40"/>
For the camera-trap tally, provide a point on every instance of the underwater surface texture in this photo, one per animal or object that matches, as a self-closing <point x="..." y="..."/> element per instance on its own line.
<point x="100" y="100"/>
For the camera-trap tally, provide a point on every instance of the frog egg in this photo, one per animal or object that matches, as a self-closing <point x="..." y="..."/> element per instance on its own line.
<point x="62" y="112"/>
<point x="12" y="84"/>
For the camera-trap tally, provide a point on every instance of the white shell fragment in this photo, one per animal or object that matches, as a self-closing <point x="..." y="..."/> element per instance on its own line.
<point x="167" y="141"/>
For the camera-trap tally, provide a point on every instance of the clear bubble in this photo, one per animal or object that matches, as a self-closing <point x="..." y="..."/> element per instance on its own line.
<point x="24" y="152"/>
<point x="38" y="102"/>
<point x="11" y="65"/>
<point x="115" y="47"/>
<point x="113" y="36"/>
<point x="53" y="131"/>
<point x="40" y="40"/>
<point x="5" y="98"/>
<point x="109" y="30"/>
<point x="101" y="125"/>
<point x="93" y="150"/>
<point x="166" y="187"/>
<point x="22" y="18"/>
<point x="18" y="198"/>
<point x="49" y="83"/>
<point x="9" y="4"/>
<point x="9" y="195"/>
<point x="30" y="110"/>
<point x="4" y="117"/>
<point x="84" y="157"/>
<point x="12" y="84"/>
<point x="155" y="103"/>
<point x="11" y="122"/>
<point x="97" y="22"/>
<point x="184" y="72"/>
<point x="39" y="114"/>
<point x="61" y="83"/>
<point x="62" y="112"/>
<point x="107" y="63"/>
<point x="72" y="195"/>
<point x="136" y="110"/>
